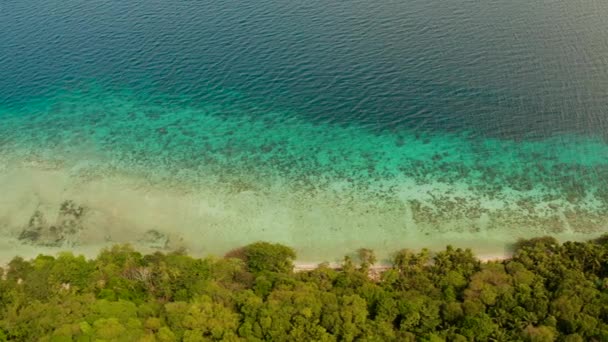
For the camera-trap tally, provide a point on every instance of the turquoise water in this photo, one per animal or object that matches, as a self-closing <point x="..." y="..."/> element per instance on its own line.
<point x="327" y="126"/>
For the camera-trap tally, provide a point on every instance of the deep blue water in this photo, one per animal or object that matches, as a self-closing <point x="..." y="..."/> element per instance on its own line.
<point x="510" y="69"/>
<point x="471" y="101"/>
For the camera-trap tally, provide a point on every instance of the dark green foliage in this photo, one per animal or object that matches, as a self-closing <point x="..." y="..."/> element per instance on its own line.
<point x="546" y="292"/>
<point x="264" y="256"/>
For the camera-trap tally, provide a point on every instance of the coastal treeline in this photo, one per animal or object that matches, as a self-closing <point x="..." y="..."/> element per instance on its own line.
<point x="546" y="291"/>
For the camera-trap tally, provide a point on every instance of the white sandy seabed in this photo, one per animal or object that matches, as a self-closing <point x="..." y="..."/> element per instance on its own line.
<point x="121" y="208"/>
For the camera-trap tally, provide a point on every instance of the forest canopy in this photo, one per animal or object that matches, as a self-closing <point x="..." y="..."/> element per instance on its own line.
<point x="546" y="291"/>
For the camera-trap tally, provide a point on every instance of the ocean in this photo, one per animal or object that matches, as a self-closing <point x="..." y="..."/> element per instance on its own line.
<point x="324" y="125"/>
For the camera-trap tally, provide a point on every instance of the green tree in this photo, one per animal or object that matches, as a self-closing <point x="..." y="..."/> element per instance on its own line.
<point x="264" y="256"/>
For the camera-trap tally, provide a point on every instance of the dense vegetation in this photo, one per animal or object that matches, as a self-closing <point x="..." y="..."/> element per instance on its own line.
<point x="546" y="292"/>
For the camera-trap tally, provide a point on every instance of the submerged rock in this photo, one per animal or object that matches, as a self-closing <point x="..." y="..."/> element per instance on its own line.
<point x="155" y="239"/>
<point x="39" y="231"/>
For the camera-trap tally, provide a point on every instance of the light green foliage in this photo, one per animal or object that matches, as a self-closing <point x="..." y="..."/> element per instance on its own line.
<point x="165" y="334"/>
<point x="121" y="310"/>
<point x="546" y="292"/>
<point x="75" y="271"/>
<point x="539" y="334"/>
<point x="202" y="317"/>
<point x="108" y="329"/>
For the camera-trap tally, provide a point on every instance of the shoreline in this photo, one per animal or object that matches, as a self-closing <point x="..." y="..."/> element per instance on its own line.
<point x="299" y="264"/>
<point x="10" y="248"/>
<point x="303" y="266"/>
